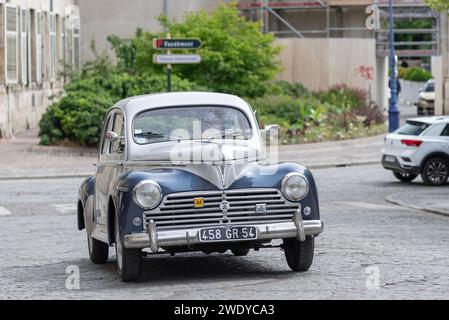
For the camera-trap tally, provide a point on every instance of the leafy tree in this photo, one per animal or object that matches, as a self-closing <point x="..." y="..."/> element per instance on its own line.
<point x="236" y="57"/>
<point x="438" y="4"/>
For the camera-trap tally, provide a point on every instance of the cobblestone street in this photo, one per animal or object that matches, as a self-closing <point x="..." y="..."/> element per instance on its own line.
<point x="363" y="235"/>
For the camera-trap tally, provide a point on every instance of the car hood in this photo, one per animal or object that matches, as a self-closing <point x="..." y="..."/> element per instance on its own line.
<point x="427" y="95"/>
<point x="197" y="152"/>
<point x="229" y="175"/>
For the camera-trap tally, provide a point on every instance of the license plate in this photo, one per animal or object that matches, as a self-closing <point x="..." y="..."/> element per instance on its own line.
<point x="218" y="234"/>
<point x="390" y="159"/>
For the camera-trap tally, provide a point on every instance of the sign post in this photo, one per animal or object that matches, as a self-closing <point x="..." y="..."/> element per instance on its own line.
<point x="169" y="69"/>
<point x="169" y="59"/>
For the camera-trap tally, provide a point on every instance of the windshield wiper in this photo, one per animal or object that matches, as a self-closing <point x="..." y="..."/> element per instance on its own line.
<point x="155" y="135"/>
<point x="234" y="134"/>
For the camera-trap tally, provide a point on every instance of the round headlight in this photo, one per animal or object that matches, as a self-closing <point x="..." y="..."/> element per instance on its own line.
<point x="147" y="194"/>
<point x="295" y="186"/>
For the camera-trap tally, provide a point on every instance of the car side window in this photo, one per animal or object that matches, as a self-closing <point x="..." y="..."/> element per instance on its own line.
<point x="117" y="147"/>
<point x="445" y="132"/>
<point x="105" y="145"/>
<point x="434" y="131"/>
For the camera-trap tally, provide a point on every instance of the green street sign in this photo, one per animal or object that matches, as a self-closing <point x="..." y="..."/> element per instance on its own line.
<point x="173" y="44"/>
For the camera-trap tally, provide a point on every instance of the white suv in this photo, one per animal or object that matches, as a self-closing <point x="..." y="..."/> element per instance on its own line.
<point x="421" y="146"/>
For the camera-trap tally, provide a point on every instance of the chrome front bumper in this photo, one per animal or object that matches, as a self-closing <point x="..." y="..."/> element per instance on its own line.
<point x="184" y="237"/>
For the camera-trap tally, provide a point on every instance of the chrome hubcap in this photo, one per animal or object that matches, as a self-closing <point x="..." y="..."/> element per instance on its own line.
<point x="437" y="172"/>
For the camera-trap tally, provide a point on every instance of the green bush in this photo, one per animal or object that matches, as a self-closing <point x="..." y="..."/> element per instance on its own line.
<point x="342" y="98"/>
<point x="286" y="88"/>
<point x="416" y="74"/>
<point x="76" y="117"/>
<point x="288" y="112"/>
<point x="338" y="113"/>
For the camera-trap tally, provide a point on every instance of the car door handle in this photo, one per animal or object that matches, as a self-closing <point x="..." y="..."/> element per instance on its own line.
<point x="119" y="164"/>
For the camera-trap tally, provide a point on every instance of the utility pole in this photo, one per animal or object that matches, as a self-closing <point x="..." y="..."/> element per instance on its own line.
<point x="393" y="111"/>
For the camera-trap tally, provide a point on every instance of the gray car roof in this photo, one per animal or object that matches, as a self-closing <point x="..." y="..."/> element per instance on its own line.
<point x="134" y="105"/>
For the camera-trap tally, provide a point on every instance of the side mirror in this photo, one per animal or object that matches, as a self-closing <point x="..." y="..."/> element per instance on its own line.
<point x="111" y="136"/>
<point x="272" y="131"/>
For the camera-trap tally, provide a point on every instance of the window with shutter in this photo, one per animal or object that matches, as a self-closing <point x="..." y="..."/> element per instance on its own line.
<point x="53" y="52"/>
<point x="63" y="41"/>
<point x="24" y="46"/>
<point x="39" y="60"/>
<point x="69" y="36"/>
<point x="12" y="44"/>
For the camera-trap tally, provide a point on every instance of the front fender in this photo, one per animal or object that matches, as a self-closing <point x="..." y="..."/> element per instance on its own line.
<point x="86" y="191"/>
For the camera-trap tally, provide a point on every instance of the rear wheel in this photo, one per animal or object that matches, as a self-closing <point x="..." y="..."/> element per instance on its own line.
<point x="240" y="252"/>
<point x="299" y="255"/>
<point x="404" y="177"/>
<point x="128" y="260"/>
<point x="435" y="171"/>
<point x="98" y="251"/>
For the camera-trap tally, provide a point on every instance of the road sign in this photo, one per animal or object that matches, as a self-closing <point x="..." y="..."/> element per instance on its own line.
<point x="177" y="58"/>
<point x="173" y="44"/>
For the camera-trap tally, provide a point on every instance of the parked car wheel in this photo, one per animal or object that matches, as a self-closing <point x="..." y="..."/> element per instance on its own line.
<point x="299" y="255"/>
<point x="98" y="251"/>
<point x="240" y="252"/>
<point x="128" y="260"/>
<point x="404" y="177"/>
<point x="436" y="171"/>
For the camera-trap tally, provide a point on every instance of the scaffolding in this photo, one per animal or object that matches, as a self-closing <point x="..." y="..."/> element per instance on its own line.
<point x="301" y="18"/>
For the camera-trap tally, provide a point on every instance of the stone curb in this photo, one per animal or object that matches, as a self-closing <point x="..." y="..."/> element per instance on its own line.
<point x="343" y="164"/>
<point x="85" y="175"/>
<point x="391" y="200"/>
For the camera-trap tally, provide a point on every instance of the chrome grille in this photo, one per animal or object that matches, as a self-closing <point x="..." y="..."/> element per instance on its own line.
<point x="178" y="211"/>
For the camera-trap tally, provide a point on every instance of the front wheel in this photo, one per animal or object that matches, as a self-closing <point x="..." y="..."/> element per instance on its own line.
<point x="299" y="255"/>
<point x="128" y="260"/>
<point x="404" y="177"/>
<point x="436" y="172"/>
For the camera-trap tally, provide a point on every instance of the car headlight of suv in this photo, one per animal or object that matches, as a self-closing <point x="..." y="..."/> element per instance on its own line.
<point x="147" y="194"/>
<point x="295" y="186"/>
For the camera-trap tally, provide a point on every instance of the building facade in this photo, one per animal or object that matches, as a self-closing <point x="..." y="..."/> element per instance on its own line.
<point x="39" y="39"/>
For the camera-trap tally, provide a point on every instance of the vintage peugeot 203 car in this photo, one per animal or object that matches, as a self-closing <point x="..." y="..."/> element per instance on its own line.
<point x="184" y="172"/>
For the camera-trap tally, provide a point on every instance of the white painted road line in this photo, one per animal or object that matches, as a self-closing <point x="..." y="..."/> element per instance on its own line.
<point x="4" y="212"/>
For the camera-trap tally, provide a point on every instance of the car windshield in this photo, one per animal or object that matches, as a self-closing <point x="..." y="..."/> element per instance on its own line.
<point x="430" y="87"/>
<point x="205" y="123"/>
<point x="413" y="128"/>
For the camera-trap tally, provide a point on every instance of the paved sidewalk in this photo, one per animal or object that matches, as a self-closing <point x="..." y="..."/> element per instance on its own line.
<point x="22" y="157"/>
<point x="436" y="200"/>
